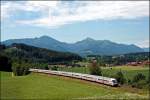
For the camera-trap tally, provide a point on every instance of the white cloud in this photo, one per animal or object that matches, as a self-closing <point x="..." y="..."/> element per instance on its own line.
<point x="143" y="44"/>
<point x="40" y="5"/>
<point x="5" y="9"/>
<point x="58" y="13"/>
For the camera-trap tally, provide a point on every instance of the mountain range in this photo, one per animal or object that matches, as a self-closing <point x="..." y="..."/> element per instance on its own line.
<point x="84" y="47"/>
<point x="146" y="49"/>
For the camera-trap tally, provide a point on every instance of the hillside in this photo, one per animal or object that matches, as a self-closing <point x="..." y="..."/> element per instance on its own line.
<point x="42" y="42"/>
<point x="84" y="47"/>
<point x="103" y="47"/>
<point x="35" y="54"/>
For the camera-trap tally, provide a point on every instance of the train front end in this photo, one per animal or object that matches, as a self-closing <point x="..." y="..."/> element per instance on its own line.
<point x="114" y="82"/>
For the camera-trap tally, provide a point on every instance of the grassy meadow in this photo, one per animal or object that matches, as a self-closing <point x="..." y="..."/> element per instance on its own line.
<point x="42" y="86"/>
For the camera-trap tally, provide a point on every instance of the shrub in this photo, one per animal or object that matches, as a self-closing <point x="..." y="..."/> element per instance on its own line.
<point x="129" y="81"/>
<point x="148" y="79"/>
<point x="140" y="84"/>
<point x="95" y="69"/>
<point x="46" y="68"/>
<point x="120" y="77"/>
<point x="5" y="63"/>
<point x="15" y="67"/>
<point x="139" y="81"/>
<point x="20" y="69"/>
<point x="54" y="68"/>
<point x="138" y="77"/>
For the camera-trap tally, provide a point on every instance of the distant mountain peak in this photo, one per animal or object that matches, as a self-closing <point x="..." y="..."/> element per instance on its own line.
<point x="132" y="45"/>
<point x="44" y="36"/>
<point x="107" y="41"/>
<point x="88" y="39"/>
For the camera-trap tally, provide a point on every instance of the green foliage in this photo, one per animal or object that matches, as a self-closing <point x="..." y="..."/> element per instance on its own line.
<point x="31" y="54"/>
<point x="138" y="77"/>
<point x="129" y="82"/>
<point x="32" y="57"/>
<point x="101" y="63"/>
<point x="140" y="84"/>
<point x="95" y="69"/>
<point x="20" y="69"/>
<point x="139" y="81"/>
<point x="46" y="68"/>
<point x="39" y="65"/>
<point x="121" y="59"/>
<point x="5" y="63"/>
<point x="120" y="77"/>
<point x="54" y="68"/>
<point x="2" y="47"/>
<point x="148" y="79"/>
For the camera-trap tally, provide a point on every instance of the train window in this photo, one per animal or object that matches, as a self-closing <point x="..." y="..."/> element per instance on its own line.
<point x="114" y="81"/>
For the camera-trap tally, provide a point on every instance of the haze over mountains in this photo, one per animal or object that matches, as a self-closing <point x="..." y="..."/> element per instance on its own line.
<point x="146" y="49"/>
<point x="87" y="46"/>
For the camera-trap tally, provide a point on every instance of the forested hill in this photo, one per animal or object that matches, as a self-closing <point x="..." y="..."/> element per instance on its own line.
<point x="31" y="54"/>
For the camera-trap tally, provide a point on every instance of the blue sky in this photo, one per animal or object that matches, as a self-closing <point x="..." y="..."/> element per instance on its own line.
<point x="121" y="22"/>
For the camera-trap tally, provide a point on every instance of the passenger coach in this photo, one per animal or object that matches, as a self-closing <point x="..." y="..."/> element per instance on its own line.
<point x="94" y="78"/>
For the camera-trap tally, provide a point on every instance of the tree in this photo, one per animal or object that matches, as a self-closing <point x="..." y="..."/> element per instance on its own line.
<point x="2" y="46"/>
<point x="46" y="68"/>
<point x="139" y="81"/>
<point x="138" y="77"/>
<point x="16" y="69"/>
<point x="5" y="63"/>
<point x="54" y="68"/>
<point x="20" y="69"/>
<point x="101" y="62"/>
<point x="94" y="68"/>
<point x="140" y="84"/>
<point x="120" y="77"/>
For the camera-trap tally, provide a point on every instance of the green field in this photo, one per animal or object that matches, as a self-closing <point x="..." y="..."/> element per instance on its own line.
<point x="41" y="86"/>
<point x="129" y="71"/>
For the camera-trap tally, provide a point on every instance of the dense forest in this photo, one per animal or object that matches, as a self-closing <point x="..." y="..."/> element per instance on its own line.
<point x="21" y="53"/>
<point x="35" y="54"/>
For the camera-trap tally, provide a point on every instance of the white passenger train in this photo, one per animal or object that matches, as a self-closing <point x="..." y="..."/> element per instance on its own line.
<point x="94" y="78"/>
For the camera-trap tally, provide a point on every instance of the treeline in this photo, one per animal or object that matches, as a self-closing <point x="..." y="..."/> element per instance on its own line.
<point x="138" y="81"/>
<point x="120" y="59"/>
<point x="21" y="55"/>
<point x="34" y="54"/>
